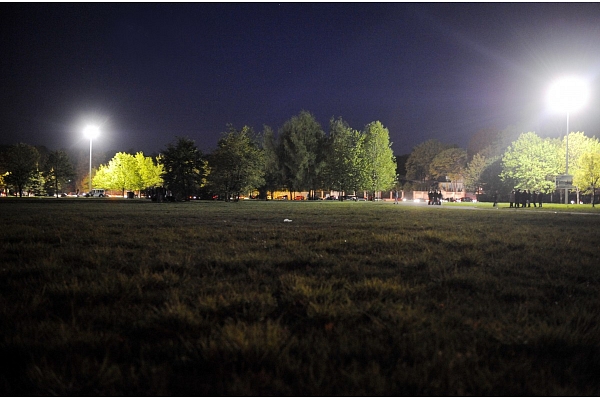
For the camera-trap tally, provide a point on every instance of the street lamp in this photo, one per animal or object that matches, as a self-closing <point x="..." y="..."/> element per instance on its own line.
<point x="91" y="132"/>
<point x="568" y="94"/>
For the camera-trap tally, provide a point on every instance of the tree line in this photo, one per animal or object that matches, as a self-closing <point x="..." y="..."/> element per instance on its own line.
<point x="500" y="161"/>
<point x="302" y="157"/>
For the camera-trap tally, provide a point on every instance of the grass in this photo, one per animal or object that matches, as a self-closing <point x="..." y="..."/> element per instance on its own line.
<point x="109" y="297"/>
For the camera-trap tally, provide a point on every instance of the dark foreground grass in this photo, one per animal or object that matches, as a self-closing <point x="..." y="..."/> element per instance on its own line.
<point x="136" y="298"/>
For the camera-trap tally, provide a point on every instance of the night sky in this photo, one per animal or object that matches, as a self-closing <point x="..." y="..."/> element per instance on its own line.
<point x="149" y="72"/>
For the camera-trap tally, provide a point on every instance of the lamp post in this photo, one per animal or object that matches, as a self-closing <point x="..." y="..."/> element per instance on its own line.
<point x="567" y="95"/>
<point x="91" y="132"/>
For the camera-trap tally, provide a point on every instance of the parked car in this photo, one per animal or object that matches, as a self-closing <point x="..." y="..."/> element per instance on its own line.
<point x="466" y="200"/>
<point x="96" y="193"/>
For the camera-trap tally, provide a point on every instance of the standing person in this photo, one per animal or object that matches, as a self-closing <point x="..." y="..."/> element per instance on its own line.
<point x="529" y="198"/>
<point x="429" y="197"/>
<point x="512" y="198"/>
<point x="495" y="197"/>
<point x="540" y="195"/>
<point x="518" y="198"/>
<point x="534" y="198"/>
<point x="524" y="198"/>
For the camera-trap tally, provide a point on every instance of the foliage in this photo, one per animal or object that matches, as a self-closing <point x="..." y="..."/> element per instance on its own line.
<point x="149" y="171"/>
<point x="587" y="176"/>
<point x="532" y="162"/>
<point x="579" y="144"/>
<point x="302" y="143"/>
<point x="420" y="159"/>
<point x="491" y="181"/>
<point x="236" y="166"/>
<point x="272" y="164"/>
<point x="379" y="157"/>
<point x="449" y="163"/>
<point x="21" y="163"/>
<point x="120" y="174"/>
<point x="185" y="169"/>
<point x="473" y="173"/>
<point x="346" y="164"/>
<point x="37" y="183"/>
<point x="58" y="170"/>
<point x="127" y="172"/>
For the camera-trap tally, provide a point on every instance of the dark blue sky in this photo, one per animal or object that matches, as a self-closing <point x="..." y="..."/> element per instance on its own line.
<point x="148" y="72"/>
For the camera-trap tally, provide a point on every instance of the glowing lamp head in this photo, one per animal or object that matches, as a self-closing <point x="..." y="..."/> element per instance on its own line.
<point x="568" y="94"/>
<point x="91" y="132"/>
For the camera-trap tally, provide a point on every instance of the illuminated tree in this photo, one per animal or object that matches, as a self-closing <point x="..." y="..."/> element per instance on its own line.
<point x="378" y="158"/>
<point x="127" y="172"/>
<point x="579" y="144"/>
<point x="531" y="162"/>
<point x="587" y="175"/>
<point x="149" y="171"/>
<point x="346" y="167"/>
<point x="120" y="174"/>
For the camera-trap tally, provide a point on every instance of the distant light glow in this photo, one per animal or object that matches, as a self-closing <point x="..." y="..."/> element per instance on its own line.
<point x="91" y="132"/>
<point x="568" y="94"/>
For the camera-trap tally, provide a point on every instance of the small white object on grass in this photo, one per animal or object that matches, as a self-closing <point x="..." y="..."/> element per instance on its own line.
<point x="287" y="220"/>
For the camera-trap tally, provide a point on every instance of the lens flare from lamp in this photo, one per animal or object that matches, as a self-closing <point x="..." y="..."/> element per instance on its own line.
<point x="568" y="94"/>
<point x="91" y="132"/>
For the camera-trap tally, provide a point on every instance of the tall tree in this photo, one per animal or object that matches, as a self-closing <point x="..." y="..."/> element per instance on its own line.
<point x="419" y="161"/>
<point x="302" y="141"/>
<point x="58" y="170"/>
<point x="579" y="144"/>
<point x="380" y="161"/>
<point x="185" y="168"/>
<point x="474" y="171"/>
<point x="449" y="163"/>
<point x="21" y="164"/>
<point x="272" y="165"/>
<point x="492" y="182"/>
<point x="237" y="163"/>
<point x="346" y="167"/>
<point x="127" y="172"/>
<point x="120" y="174"/>
<point x="588" y="175"/>
<point x="532" y="162"/>
<point x="37" y="183"/>
<point x="149" y="171"/>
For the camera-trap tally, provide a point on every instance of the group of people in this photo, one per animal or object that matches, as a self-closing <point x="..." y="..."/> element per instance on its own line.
<point x="434" y="197"/>
<point x="525" y="198"/>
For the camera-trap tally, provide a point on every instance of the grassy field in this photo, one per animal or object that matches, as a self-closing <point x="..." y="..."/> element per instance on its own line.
<point x="113" y="297"/>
